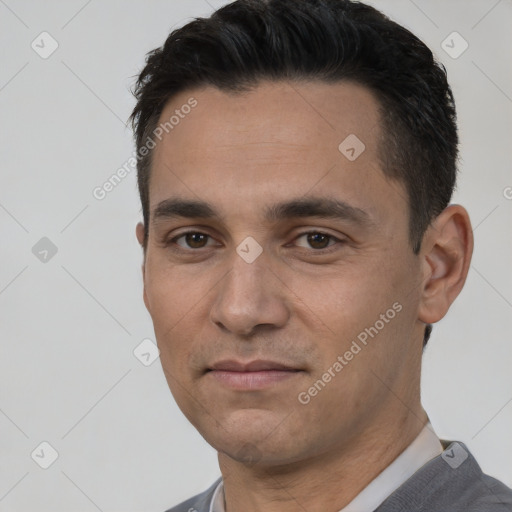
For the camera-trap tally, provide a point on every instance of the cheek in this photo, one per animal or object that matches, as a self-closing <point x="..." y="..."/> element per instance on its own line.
<point x="347" y="300"/>
<point x="171" y="294"/>
<point x="365" y="316"/>
<point x="339" y="411"/>
<point x="172" y="306"/>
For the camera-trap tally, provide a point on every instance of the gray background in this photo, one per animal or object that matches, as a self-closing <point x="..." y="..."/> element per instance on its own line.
<point x="70" y="323"/>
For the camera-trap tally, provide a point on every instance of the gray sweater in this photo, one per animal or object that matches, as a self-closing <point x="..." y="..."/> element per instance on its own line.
<point x="447" y="483"/>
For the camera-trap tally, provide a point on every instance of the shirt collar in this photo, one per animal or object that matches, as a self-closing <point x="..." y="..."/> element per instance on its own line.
<point x="424" y="448"/>
<point x="217" y="503"/>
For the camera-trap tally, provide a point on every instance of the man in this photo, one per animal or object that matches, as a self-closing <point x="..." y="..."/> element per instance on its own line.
<point x="297" y="159"/>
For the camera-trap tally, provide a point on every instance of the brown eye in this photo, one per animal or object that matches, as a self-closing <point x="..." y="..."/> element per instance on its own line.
<point x="192" y="240"/>
<point x="196" y="240"/>
<point x="317" y="240"/>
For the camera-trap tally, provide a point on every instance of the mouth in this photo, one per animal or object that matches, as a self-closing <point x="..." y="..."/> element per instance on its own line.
<point x="252" y="375"/>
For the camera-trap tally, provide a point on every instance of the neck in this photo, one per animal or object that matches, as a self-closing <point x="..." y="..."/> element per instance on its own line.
<point x="326" y="483"/>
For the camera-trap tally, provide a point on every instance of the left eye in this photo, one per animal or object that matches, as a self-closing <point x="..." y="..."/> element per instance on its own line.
<point x="317" y="240"/>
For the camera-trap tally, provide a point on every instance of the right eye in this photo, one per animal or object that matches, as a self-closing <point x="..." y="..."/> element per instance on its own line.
<point x="192" y="239"/>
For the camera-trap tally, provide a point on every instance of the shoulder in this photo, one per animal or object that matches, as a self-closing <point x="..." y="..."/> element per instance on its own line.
<point x="488" y="494"/>
<point x="464" y="481"/>
<point x="198" y="503"/>
<point x="452" y="481"/>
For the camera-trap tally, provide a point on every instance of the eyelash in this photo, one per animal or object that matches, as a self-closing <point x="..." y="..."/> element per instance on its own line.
<point x="326" y="250"/>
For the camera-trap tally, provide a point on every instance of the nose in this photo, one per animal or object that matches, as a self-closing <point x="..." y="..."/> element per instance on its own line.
<point x="249" y="296"/>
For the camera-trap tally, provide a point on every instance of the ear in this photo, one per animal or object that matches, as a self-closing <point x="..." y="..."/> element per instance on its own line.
<point x="446" y="256"/>
<point x="139" y="232"/>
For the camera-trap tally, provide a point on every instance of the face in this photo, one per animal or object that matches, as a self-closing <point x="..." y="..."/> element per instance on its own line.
<point x="278" y="272"/>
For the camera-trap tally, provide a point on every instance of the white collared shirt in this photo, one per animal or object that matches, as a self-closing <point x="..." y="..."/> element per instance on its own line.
<point x="424" y="448"/>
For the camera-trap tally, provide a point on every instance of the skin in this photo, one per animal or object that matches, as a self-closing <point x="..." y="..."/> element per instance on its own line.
<point x="296" y="303"/>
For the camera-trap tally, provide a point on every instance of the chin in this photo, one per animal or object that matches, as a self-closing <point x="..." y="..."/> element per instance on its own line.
<point x="252" y="436"/>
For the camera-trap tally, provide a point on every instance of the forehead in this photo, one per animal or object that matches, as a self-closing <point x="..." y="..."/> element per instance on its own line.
<point x="278" y="139"/>
<point x="275" y="112"/>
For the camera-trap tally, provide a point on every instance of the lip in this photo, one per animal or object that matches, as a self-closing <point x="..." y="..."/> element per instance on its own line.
<point x="253" y="375"/>
<point x="231" y="365"/>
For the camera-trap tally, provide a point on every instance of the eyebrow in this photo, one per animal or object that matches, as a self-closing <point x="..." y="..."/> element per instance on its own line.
<point x="319" y="207"/>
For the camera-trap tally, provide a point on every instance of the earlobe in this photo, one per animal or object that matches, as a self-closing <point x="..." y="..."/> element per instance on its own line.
<point x="144" y="291"/>
<point x="145" y="297"/>
<point x="448" y="246"/>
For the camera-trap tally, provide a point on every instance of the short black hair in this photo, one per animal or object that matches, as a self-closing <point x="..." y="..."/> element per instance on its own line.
<point x="248" y="41"/>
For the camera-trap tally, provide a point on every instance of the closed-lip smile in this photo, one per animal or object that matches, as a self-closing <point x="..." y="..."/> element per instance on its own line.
<point x="232" y="365"/>
<point x="251" y="375"/>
